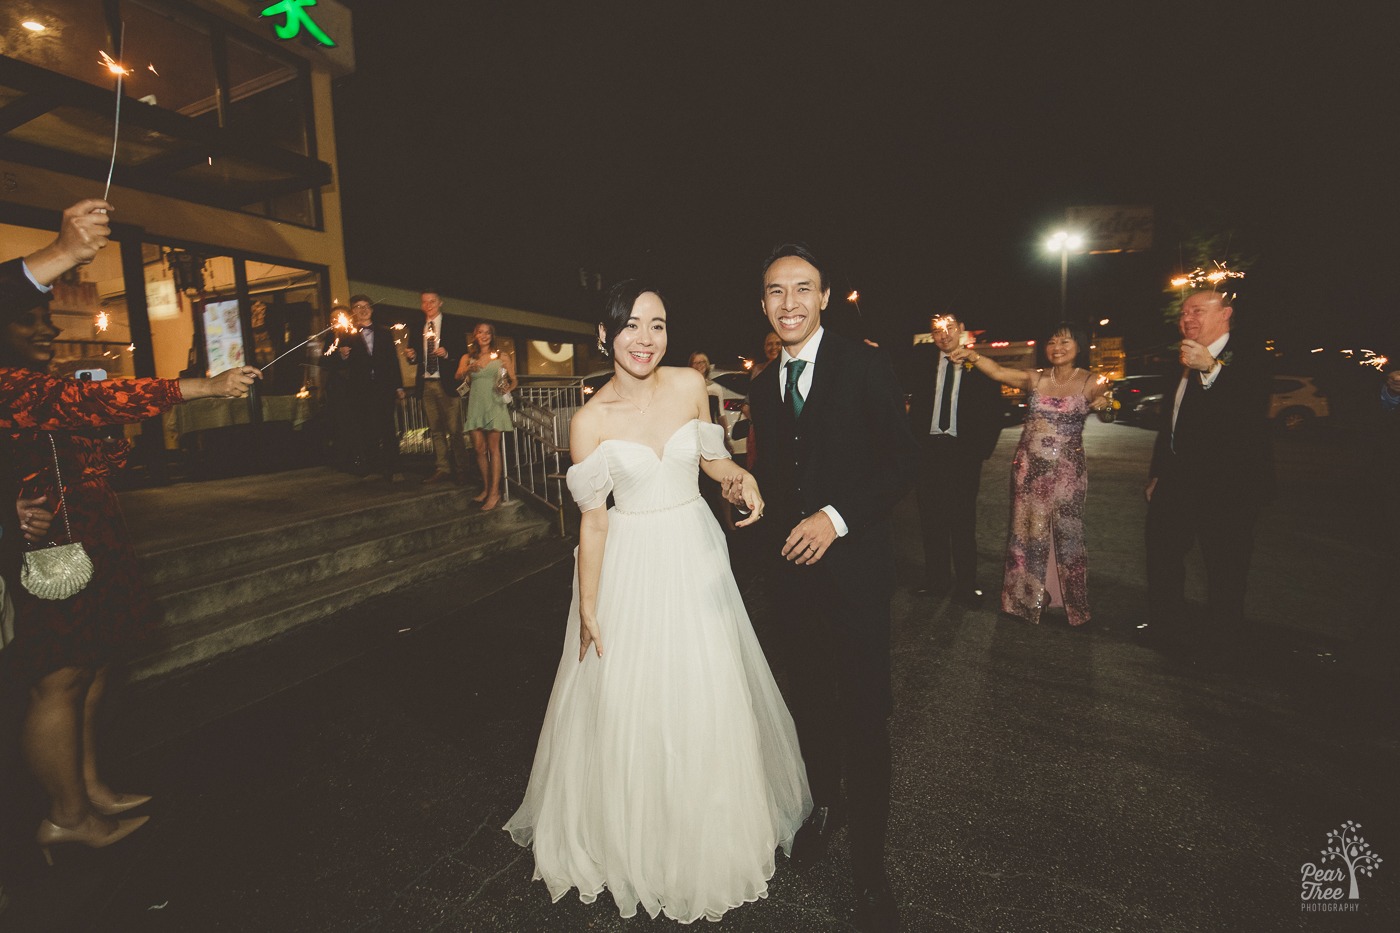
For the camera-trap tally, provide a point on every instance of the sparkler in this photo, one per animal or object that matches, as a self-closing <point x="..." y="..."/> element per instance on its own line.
<point x="264" y="368"/>
<point x="102" y="321"/>
<point x="115" y="68"/>
<point x="341" y="323"/>
<point x="1199" y="277"/>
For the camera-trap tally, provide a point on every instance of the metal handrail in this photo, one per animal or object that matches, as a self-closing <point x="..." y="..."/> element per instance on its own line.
<point x="539" y="445"/>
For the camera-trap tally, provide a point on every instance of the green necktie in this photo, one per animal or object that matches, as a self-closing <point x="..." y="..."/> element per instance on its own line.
<point x="794" y="394"/>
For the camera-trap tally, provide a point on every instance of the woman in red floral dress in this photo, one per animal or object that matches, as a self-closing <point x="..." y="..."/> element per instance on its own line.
<point x="62" y="647"/>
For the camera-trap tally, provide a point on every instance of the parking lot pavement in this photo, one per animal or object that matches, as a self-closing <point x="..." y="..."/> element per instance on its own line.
<point x="1045" y="778"/>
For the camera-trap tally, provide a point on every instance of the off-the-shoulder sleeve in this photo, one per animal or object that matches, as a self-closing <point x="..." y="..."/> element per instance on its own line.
<point x="712" y="442"/>
<point x="589" y="481"/>
<point x="41" y="402"/>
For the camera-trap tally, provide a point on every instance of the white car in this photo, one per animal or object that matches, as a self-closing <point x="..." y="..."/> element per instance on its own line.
<point x="1296" y="400"/>
<point x="730" y="386"/>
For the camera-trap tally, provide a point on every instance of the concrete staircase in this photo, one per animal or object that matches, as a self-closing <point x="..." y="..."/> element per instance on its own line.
<point x="234" y="562"/>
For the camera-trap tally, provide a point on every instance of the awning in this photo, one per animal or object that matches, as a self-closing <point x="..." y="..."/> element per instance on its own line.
<point x="53" y="121"/>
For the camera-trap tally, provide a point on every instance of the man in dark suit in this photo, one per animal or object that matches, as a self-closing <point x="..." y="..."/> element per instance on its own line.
<point x="955" y="415"/>
<point x="439" y="344"/>
<point x="836" y="459"/>
<point x="1212" y="471"/>
<point x="375" y="385"/>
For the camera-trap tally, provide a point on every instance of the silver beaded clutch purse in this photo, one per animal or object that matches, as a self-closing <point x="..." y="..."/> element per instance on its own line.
<point x="62" y="570"/>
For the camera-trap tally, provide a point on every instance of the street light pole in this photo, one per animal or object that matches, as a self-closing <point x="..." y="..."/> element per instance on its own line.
<point x="1062" y="242"/>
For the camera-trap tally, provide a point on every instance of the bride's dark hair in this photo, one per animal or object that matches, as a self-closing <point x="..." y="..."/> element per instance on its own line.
<point x="617" y="309"/>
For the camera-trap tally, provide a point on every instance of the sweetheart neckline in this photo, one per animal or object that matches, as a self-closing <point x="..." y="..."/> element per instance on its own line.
<point x="659" y="456"/>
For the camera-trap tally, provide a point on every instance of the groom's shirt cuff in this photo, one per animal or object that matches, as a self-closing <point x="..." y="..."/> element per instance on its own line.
<point x="836" y="520"/>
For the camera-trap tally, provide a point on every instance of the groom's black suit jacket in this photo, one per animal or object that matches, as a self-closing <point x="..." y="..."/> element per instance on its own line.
<point x="850" y="449"/>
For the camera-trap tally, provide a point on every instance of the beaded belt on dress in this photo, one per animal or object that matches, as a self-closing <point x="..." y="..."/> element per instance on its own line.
<point x="664" y="508"/>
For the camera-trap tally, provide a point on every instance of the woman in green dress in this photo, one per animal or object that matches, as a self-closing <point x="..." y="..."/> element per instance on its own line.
<point x="492" y="373"/>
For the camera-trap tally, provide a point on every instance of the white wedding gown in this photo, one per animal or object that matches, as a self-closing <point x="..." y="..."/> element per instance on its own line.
<point x="668" y="771"/>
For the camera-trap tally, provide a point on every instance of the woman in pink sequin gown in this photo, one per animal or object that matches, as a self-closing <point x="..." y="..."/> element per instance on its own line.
<point x="1046" y="563"/>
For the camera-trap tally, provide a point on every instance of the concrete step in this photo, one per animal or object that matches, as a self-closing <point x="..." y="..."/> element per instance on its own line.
<point x="343" y="515"/>
<point x="334" y="547"/>
<point x="234" y="562"/>
<point x="456" y="567"/>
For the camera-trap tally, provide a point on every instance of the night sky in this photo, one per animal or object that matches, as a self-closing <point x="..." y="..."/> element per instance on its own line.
<point x="924" y="150"/>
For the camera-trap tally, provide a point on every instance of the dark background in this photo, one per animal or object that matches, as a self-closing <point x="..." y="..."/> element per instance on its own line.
<point x="925" y="151"/>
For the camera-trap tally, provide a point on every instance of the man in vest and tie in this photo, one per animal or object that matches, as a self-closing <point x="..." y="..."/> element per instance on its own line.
<point x="956" y="416"/>
<point x="1212" y="469"/>
<point x="835" y="462"/>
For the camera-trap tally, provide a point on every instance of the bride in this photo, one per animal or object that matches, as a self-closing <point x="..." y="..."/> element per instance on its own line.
<point x="667" y="769"/>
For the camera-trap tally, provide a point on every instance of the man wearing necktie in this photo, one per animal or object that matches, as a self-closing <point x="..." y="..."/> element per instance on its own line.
<point x="439" y="342"/>
<point x="955" y="414"/>
<point x="1212" y="471"/>
<point x="836" y="460"/>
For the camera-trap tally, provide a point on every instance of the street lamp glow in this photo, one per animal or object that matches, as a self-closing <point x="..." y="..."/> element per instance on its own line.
<point x="1062" y="241"/>
<point x="32" y="26"/>
<point x="1103" y="322"/>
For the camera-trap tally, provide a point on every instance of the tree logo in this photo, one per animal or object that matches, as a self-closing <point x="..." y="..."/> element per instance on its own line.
<point x="1322" y="886"/>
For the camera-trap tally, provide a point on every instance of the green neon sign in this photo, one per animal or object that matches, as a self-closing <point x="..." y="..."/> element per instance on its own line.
<point x="297" y="20"/>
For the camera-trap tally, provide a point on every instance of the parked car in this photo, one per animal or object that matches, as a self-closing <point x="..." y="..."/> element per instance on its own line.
<point x="1142" y="399"/>
<point x="1296" y="400"/>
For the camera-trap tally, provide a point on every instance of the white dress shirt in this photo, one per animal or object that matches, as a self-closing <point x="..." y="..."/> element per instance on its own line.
<point x="33" y="281"/>
<point x="432" y="326"/>
<point x="808" y="354"/>
<point x="938" y="397"/>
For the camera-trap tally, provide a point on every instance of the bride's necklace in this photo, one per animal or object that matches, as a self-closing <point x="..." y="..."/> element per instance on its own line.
<point x="632" y="403"/>
<point x="1055" y="380"/>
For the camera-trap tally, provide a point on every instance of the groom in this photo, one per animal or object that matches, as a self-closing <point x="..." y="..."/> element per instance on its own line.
<point x="836" y="459"/>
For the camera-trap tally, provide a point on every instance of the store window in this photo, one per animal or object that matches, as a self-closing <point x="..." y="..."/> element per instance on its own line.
<point x="268" y="95"/>
<point x="170" y="54"/>
<point x="68" y="37"/>
<point x="169" y="61"/>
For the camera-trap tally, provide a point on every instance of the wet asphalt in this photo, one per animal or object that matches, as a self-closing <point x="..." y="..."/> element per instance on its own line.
<point x="354" y="776"/>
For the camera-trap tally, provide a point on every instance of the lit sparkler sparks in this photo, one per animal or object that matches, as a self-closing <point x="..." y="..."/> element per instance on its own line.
<point x="1199" y="278"/>
<point x="102" y="322"/>
<point x="115" y="68"/>
<point x="341" y="324"/>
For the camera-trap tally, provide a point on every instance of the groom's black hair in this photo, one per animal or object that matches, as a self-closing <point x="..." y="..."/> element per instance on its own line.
<point x="801" y="251"/>
<point x="617" y="309"/>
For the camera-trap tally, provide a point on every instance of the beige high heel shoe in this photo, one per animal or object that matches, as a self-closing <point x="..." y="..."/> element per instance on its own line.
<point x="121" y="804"/>
<point x="50" y="834"/>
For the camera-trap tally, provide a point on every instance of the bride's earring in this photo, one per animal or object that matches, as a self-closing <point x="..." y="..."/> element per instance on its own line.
<point x="602" y="349"/>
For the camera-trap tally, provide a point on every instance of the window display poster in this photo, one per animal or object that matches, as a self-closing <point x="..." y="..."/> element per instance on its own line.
<point x="223" y="335"/>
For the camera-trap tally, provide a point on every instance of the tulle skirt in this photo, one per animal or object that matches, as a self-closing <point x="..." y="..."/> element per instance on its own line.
<point x="668" y="771"/>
